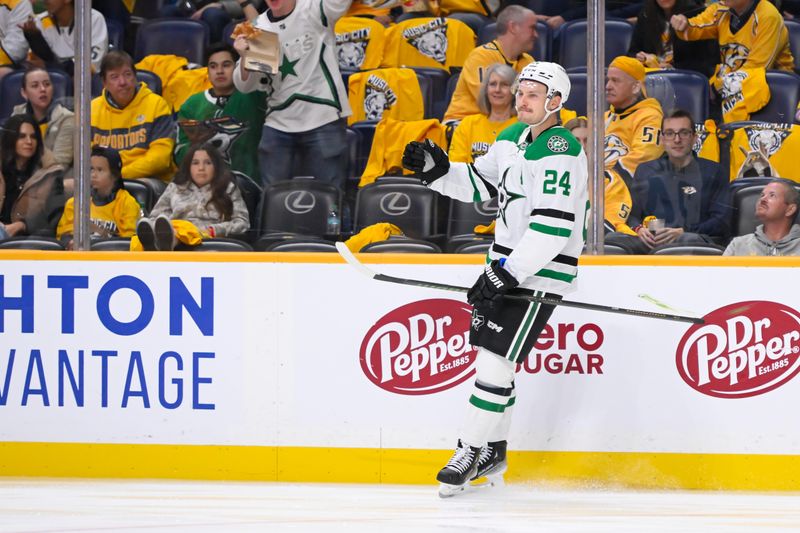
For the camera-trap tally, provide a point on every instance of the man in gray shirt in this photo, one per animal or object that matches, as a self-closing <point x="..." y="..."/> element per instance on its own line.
<point x="777" y="234"/>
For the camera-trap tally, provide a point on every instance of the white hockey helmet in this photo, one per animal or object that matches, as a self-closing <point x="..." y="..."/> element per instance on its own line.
<point x="551" y="75"/>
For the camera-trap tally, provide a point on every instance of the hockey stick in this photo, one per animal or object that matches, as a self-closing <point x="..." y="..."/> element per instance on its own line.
<point x="348" y="256"/>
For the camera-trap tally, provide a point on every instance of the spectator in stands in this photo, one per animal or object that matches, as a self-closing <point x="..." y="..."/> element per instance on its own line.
<point x="52" y="40"/>
<point x="56" y="122"/>
<point x="655" y="45"/>
<point x="752" y="38"/>
<point x="307" y="101"/>
<point x="577" y="9"/>
<point x="476" y="133"/>
<point x="113" y="212"/>
<point x="689" y="194"/>
<point x="777" y="234"/>
<point x="13" y="46"/>
<point x="202" y="202"/>
<point x="133" y="120"/>
<point x="516" y="33"/>
<point x="579" y="127"/>
<point x="216" y="14"/>
<point x="633" y="131"/>
<point x="31" y="183"/>
<point x="237" y="144"/>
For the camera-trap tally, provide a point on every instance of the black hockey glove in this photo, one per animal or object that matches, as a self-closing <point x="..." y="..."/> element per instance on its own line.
<point x="491" y="286"/>
<point x="426" y="160"/>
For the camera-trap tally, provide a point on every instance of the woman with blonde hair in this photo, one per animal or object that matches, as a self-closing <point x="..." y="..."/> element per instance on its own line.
<point x="477" y="132"/>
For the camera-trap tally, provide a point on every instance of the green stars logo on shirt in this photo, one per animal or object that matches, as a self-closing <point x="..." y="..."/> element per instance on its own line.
<point x="287" y="67"/>
<point x="504" y="197"/>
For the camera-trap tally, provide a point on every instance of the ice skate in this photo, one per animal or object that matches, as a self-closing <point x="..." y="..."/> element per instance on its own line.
<point x="492" y="464"/>
<point x="457" y="473"/>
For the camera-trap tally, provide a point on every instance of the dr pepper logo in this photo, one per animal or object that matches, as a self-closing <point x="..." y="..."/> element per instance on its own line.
<point x="743" y="349"/>
<point x="420" y="348"/>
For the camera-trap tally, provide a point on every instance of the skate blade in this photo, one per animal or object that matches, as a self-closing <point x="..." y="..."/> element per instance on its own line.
<point x="448" y="491"/>
<point x="492" y="480"/>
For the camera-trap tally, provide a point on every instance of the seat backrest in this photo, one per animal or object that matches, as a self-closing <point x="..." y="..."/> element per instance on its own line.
<point x="303" y="245"/>
<point x="31" y="243"/>
<point x="546" y="7"/>
<point x="784" y="88"/>
<point x="353" y="139"/>
<point x="479" y="247"/>
<point x="410" y="206"/>
<point x="793" y="27"/>
<point x="116" y="34"/>
<point x="577" y="92"/>
<point x="451" y="86"/>
<point x="181" y="37"/>
<point x="689" y="249"/>
<point x="143" y="194"/>
<point x="223" y="244"/>
<point x="11" y="84"/>
<point x="690" y="88"/>
<point x="744" y="209"/>
<point x="299" y="206"/>
<point x="435" y="107"/>
<point x="113" y="244"/>
<point x="402" y="246"/>
<point x="251" y="194"/>
<point x="572" y="41"/>
<point x="366" y="132"/>
<point x="464" y="216"/>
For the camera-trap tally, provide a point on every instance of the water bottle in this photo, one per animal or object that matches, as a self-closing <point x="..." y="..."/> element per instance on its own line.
<point x="334" y="223"/>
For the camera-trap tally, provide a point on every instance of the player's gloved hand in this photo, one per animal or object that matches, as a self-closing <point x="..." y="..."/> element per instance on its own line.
<point x="491" y="286"/>
<point x="426" y="160"/>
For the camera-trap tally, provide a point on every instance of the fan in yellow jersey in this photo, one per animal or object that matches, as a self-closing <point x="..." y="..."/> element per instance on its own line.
<point x="476" y="133"/>
<point x="130" y="118"/>
<point x="632" y="136"/>
<point x="752" y="38"/>
<point x="516" y="33"/>
<point x="113" y="212"/>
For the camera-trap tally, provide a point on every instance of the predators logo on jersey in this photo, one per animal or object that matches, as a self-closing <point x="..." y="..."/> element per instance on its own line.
<point x="732" y="89"/>
<point x="763" y="141"/>
<point x="351" y="48"/>
<point x="378" y="97"/>
<point x="430" y="39"/>
<point x="615" y="150"/>
<point x="734" y="56"/>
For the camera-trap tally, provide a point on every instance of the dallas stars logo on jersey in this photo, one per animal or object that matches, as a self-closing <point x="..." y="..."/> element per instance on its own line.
<point x="220" y="132"/>
<point x="557" y="144"/>
<point x="378" y="96"/>
<point x="429" y="39"/>
<point x="351" y="48"/>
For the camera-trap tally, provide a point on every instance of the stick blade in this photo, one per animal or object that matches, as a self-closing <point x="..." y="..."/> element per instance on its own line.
<point x="351" y="260"/>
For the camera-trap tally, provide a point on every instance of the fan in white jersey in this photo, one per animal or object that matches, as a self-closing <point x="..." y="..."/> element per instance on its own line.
<point x="538" y="172"/>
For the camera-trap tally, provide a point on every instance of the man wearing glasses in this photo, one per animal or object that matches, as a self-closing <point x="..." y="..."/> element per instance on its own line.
<point x="685" y="194"/>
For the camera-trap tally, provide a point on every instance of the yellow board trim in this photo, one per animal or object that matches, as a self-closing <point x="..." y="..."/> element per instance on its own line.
<point x="393" y="259"/>
<point x="364" y="465"/>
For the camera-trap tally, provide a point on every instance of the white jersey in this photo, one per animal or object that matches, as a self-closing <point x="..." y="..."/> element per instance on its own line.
<point x="542" y="192"/>
<point x="13" y="45"/>
<point x="61" y="40"/>
<point x="307" y="91"/>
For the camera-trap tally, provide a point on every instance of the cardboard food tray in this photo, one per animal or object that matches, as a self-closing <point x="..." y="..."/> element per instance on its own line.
<point x="264" y="53"/>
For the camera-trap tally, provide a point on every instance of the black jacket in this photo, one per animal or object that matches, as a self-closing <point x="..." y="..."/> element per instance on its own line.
<point x="695" y="198"/>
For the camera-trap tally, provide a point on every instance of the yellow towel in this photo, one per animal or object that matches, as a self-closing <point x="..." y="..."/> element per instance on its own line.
<point x="185" y="232"/>
<point x="480" y="229"/>
<point x="374" y="233"/>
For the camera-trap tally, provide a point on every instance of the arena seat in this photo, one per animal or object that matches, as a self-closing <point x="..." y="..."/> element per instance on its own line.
<point x="793" y="27"/>
<point x="31" y="243"/>
<point x="223" y="244"/>
<point x="474" y="20"/>
<point x="477" y="247"/>
<point x="744" y="209"/>
<point x="182" y="37"/>
<point x="577" y="93"/>
<point x="689" y="249"/>
<point x="143" y="193"/>
<point x="251" y="194"/>
<point x="542" y="48"/>
<point x="116" y="35"/>
<point x="303" y="245"/>
<point x="299" y="206"/>
<point x="434" y="93"/>
<point x="401" y="245"/>
<point x="690" y="88"/>
<point x="115" y="244"/>
<point x="785" y="94"/>
<point x="410" y="206"/>
<point x="454" y="243"/>
<point x="11" y="83"/>
<point x="464" y="216"/>
<point x="366" y="132"/>
<point x="572" y="41"/>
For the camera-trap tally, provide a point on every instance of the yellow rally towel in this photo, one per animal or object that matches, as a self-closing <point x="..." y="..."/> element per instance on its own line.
<point x="178" y="81"/>
<point x="374" y="233"/>
<point x="480" y="229"/>
<point x="185" y="232"/>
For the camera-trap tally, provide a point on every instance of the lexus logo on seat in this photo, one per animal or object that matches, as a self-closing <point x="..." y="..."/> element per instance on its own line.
<point x="395" y="203"/>
<point x="300" y="202"/>
<point x="487" y="208"/>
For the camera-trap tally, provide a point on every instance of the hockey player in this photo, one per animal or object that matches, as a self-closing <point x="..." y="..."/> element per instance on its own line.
<point x="538" y="172"/>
